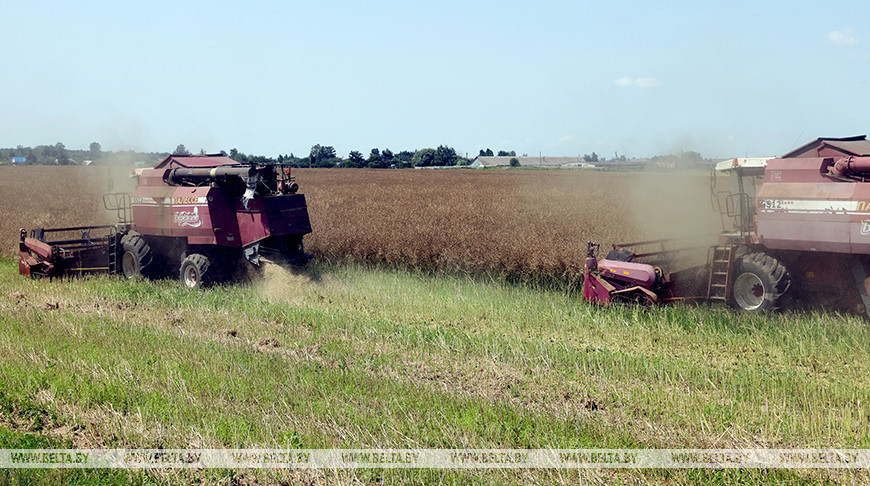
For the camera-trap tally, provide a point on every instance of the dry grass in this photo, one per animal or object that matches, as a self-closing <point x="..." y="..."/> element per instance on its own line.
<point x="516" y="224"/>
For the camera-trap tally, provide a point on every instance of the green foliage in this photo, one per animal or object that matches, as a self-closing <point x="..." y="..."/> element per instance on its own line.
<point x="424" y="158"/>
<point x="96" y="150"/>
<point x="515" y="162"/>
<point x="322" y="155"/>
<point x="355" y="159"/>
<point x="445" y="156"/>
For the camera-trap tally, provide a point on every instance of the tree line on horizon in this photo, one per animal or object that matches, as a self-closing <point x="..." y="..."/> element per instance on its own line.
<point x="320" y="156"/>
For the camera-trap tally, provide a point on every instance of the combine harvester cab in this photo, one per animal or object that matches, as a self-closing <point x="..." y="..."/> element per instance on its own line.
<point x="201" y="218"/>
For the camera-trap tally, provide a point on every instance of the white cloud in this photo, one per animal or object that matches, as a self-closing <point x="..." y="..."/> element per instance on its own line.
<point x="647" y="82"/>
<point x="566" y="139"/>
<point x="843" y="37"/>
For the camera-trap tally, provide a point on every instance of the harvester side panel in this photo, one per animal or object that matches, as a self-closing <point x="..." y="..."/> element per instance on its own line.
<point x="149" y="210"/>
<point x="800" y="209"/>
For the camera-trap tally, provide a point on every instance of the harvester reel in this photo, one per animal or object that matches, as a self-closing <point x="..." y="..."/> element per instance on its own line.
<point x="194" y="269"/>
<point x="136" y="257"/>
<point x="761" y="283"/>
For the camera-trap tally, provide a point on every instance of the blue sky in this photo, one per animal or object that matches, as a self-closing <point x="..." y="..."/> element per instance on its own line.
<point x="557" y="77"/>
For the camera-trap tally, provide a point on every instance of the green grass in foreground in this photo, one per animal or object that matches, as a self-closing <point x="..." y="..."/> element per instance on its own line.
<point x="374" y="358"/>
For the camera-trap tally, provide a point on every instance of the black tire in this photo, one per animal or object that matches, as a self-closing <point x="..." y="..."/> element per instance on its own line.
<point x="136" y="257"/>
<point x="760" y="283"/>
<point x="194" y="271"/>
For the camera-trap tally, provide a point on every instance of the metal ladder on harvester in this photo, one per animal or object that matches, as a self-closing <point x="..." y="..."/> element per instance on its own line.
<point x="113" y="253"/>
<point x="719" y="283"/>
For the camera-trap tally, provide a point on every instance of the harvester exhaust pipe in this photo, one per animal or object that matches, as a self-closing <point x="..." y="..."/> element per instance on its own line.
<point x="218" y="175"/>
<point x="249" y="176"/>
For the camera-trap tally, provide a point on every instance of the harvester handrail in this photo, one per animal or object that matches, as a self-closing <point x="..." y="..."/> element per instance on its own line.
<point x="664" y="252"/>
<point x="73" y="228"/>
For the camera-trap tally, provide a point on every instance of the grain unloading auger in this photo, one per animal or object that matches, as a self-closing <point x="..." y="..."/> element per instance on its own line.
<point x="200" y="218"/>
<point x="797" y="228"/>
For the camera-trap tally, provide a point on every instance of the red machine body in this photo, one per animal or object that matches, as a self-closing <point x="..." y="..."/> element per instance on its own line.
<point x="169" y="203"/>
<point x="800" y="227"/>
<point x="199" y="217"/>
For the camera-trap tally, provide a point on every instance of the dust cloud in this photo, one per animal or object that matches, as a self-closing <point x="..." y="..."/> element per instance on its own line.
<point x="675" y="205"/>
<point x="279" y="283"/>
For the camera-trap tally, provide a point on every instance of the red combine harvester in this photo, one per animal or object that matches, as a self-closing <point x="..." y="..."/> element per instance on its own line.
<point x="800" y="228"/>
<point x="198" y="217"/>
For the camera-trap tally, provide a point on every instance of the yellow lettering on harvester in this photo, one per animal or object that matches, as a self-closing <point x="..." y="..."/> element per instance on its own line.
<point x="863" y="206"/>
<point x="185" y="200"/>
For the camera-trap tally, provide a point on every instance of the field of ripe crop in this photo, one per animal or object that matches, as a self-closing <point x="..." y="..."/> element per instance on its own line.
<point x="518" y="224"/>
<point x="525" y="225"/>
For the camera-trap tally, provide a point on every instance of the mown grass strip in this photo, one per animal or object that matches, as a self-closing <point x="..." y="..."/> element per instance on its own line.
<point x="389" y="359"/>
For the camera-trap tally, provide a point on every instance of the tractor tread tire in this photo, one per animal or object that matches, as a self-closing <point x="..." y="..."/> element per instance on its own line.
<point x="771" y="274"/>
<point x="194" y="271"/>
<point x="140" y="256"/>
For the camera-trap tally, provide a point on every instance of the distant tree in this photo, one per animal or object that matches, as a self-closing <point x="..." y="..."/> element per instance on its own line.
<point x="62" y="155"/>
<point x="424" y="158"/>
<point x="234" y="154"/>
<point x="223" y="152"/>
<point x="591" y="158"/>
<point x="355" y="159"/>
<point x="96" y="150"/>
<point x="320" y="154"/>
<point x="482" y="153"/>
<point x="181" y="150"/>
<point x="504" y="153"/>
<point x="488" y="152"/>
<point x="690" y="158"/>
<point x="515" y="162"/>
<point x="404" y="159"/>
<point x="445" y="156"/>
<point x="387" y="155"/>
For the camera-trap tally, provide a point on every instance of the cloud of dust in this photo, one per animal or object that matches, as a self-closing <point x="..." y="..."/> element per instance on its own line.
<point x="674" y="204"/>
<point x="278" y="283"/>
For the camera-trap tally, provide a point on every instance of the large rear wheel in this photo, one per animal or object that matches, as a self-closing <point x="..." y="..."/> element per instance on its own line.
<point x="761" y="283"/>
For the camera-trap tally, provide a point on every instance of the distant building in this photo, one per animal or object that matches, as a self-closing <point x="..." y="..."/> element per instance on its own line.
<point x="542" y="161"/>
<point x="19" y="160"/>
